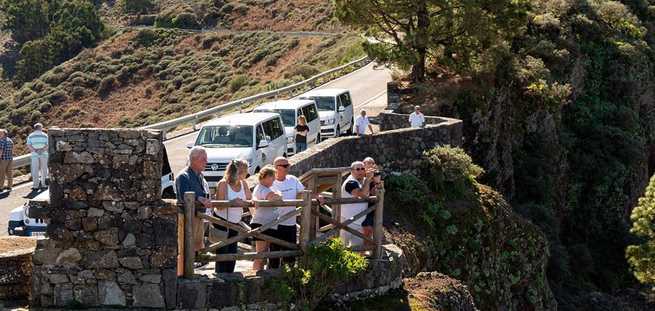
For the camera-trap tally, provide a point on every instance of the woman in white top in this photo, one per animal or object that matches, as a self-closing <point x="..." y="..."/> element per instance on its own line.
<point x="264" y="215"/>
<point x="234" y="188"/>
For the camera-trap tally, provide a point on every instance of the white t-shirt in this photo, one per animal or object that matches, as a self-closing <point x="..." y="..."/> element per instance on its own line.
<point x="289" y="188"/>
<point x="416" y="119"/>
<point x="362" y="124"/>
<point x="263" y="215"/>
<point x="232" y="214"/>
<point x="350" y="210"/>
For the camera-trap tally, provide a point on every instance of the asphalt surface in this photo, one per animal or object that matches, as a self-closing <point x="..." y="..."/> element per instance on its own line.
<point x="367" y="87"/>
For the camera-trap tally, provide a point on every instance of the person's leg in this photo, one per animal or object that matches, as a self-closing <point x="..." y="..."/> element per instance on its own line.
<point x="3" y="172"/>
<point x="274" y="263"/>
<point x="260" y="246"/>
<point x="290" y="235"/>
<point x="34" y="170"/>
<point x="10" y="174"/>
<point x="226" y="266"/>
<point x="43" y="165"/>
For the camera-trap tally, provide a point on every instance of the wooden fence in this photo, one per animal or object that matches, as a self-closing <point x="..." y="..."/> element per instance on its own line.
<point x="310" y="216"/>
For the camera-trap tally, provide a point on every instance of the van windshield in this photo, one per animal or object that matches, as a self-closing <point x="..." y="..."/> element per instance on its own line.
<point x="225" y="136"/>
<point x="288" y="115"/>
<point x="324" y="103"/>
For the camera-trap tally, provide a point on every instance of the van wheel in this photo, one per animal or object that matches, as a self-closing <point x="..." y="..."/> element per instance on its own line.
<point x="168" y="193"/>
<point x="318" y="138"/>
<point x="350" y="131"/>
<point x="338" y="132"/>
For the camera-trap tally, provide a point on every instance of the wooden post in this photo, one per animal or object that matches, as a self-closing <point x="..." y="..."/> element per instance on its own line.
<point x="305" y="221"/>
<point x="313" y="225"/>
<point x="378" y="234"/>
<point x="189" y="252"/>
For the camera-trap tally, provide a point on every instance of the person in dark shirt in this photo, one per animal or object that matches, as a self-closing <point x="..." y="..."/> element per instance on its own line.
<point x="368" y="223"/>
<point x="302" y="130"/>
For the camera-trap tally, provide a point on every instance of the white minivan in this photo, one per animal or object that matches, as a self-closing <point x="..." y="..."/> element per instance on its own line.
<point x="256" y="137"/>
<point x="290" y="110"/>
<point x="335" y="107"/>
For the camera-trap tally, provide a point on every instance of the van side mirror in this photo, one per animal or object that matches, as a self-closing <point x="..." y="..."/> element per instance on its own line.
<point x="342" y="108"/>
<point x="263" y="144"/>
<point x="189" y="145"/>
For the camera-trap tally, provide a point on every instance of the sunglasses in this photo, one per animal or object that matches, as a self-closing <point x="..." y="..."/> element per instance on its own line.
<point x="359" y="169"/>
<point x="283" y="165"/>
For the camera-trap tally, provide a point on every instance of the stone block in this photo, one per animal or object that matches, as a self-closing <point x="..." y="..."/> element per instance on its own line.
<point x="105" y="275"/>
<point x="63" y="294"/>
<point x="46" y="256"/>
<point x="126" y="277"/>
<point x="69" y="256"/>
<point x="101" y="259"/>
<point x="169" y="279"/>
<point x="113" y="206"/>
<point x="107" y="237"/>
<point x="87" y="295"/>
<point x="110" y="294"/>
<point x="192" y="294"/>
<point x="164" y="257"/>
<point x="148" y="295"/>
<point x="129" y="241"/>
<point x="133" y="263"/>
<point x="95" y="212"/>
<point x="151" y="278"/>
<point x="58" y="278"/>
<point x="90" y="224"/>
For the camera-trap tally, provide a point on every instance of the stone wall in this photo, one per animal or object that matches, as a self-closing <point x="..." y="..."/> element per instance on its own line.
<point x="112" y="242"/>
<point x="391" y="121"/>
<point x="395" y="150"/>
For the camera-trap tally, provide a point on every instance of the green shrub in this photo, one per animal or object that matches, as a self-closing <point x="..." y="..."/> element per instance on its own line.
<point x="136" y="6"/>
<point x="238" y="82"/>
<point x="642" y="256"/>
<point x="107" y="85"/>
<point x="451" y="172"/>
<point x="326" y="267"/>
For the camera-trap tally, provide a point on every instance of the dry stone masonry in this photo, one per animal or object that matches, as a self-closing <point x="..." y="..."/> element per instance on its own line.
<point x="112" y="242"/>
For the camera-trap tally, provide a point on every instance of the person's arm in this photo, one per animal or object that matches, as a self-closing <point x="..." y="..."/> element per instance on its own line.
<point x="29" y="144"/>
<point x="221" y="190"/>
<point x="370" y="127"/>
<point x="246" y="188"/>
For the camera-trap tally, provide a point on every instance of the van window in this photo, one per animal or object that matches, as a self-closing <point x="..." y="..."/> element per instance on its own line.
<point x="288" y="115"/>
<point x="324" y="103"/>
<point x="310" y="113"/>
<point x="345" y="99"/>
<point x="273" y="128"/>
<point x="260" y="134"/>
<point x="225" y="136"/>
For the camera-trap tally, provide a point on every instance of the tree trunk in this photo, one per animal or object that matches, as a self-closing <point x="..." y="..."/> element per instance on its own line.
<point x="421" y="41"/>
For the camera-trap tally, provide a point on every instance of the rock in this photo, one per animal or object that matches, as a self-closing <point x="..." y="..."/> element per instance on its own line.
<point x="133" y="263"/>
<point x="104" y="274"/>
<point x="113" y="206"/>
<point x="193" y="295"/>
<point x="435" y="291"/>
<point x="88" y="276"/>
<point x="90" y="224"/>
<point x="63" y="294"/>
<point x="107" y="237"/>
<point x="95" y="212"/>
<point x="129" y="240"/>
<point x="126" y="277"/>
<point x="148" y="295"/>
<point x="151" y="278"/>
<point x="63" y="146"/>
<point x="108" y="260"/>
<point x="87" y="295"/>
<point x="71" y="256"/>
<point x="153" y="146"/>
<point x="46" y="256"/>
<point x="110" y="294"/>
<point x="58" y="278"/>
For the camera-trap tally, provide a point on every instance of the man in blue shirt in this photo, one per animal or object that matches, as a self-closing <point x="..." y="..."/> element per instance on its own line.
<point x="191" y="179"/>
<point x="37" y="142"/>
<point x="6" y="161"/>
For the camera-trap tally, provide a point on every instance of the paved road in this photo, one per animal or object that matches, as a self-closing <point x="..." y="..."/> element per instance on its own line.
<point x="367" y="86"/>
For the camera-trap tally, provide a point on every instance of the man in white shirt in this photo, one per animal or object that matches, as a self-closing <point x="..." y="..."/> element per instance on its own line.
<point x="417" y="119"/>
<point x="357" y="185"/>
<point x="361" y="123"/>
<point x="37" y="143"/>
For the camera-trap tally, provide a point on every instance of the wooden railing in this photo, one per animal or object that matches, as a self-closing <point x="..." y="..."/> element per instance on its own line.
<point x="310" y="231"/>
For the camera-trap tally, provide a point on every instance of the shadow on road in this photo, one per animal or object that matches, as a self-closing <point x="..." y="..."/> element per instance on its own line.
<point x="33" y="194"/>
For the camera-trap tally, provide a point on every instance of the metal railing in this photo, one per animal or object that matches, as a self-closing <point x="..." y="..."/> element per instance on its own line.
<point x="195" y="118"/>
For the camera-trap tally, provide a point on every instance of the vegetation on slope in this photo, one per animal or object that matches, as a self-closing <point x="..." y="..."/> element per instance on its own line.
<point x="143" y="77"/>
<point x="642" y="256"/>
<point x="445" y="221"/>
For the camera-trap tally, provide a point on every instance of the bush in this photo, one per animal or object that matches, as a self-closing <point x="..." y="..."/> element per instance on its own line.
<point x="451" y="171"/>
<point x="186" y="21"/>
<point x="641" y="257"/>
<point x="107" y="85"/>
<point x="326" y="267"/>
<point x="136" y="6"/>
<point x="238" y="82"/>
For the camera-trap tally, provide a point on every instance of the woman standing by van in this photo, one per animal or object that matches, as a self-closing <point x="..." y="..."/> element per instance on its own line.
<point x="302" y="130"/>
<point x="233" y="188"/>
<point x="264" y="215"/>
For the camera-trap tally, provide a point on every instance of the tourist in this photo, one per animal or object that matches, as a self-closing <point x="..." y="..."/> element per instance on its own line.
<point x="6" y="159"/>
<point x="37" y="143"/>
<point x="290" y="188"/>
<point x="417" y="119"/>
<point x="190" y="179"/>
<point x="357" y="185"/>
<point x="368" y="223"/>
<point x="361" y="123"/>
<point x="264" y="215"/>
<point x="302" y="130"/>
<point x="233" y="188"/>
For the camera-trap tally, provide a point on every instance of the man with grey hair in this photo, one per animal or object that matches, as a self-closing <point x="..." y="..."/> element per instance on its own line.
<point x="37" y="143"/>
<point x="417" y="119"/>
<point x="6" y="159"/>
<point x="190" y="179"/>
<point x="357" y="185"/>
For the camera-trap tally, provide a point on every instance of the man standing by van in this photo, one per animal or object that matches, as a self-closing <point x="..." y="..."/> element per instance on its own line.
<point x="6" y="159"/>
<point x="37" y="142"/>
<point x="417" y="119"/>
<point x="361" y="123"/>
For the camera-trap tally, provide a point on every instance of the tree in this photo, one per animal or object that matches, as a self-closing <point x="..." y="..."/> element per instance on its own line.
<point x="136" y="6"/>
<point x="642" y="256"/>
<point x="409" y="32"/>
<point x="25" y="19"/>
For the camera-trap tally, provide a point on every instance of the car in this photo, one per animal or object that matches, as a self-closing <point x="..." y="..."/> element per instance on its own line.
<point x="257" y="137"/>
<point x="21" y="224"/>
<point x="290" y="110"/>
<point x="335" y="108"/>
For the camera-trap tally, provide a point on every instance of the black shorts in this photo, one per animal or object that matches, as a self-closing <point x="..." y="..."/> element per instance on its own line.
<point x="370" y="217"/>
<point x="269" y="232"/>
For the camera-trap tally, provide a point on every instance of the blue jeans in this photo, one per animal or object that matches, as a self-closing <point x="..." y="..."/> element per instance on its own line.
<point x="300" y="147"/>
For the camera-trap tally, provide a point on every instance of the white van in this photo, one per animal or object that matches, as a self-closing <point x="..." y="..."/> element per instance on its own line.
<point x="290" y="110"/>
<point x="256" y="137"/>
<point x="335" y="108"/>
<point x="21" y="224"/>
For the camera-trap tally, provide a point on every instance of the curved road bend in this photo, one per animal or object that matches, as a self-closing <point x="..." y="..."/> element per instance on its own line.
<point x="367" y="86"/>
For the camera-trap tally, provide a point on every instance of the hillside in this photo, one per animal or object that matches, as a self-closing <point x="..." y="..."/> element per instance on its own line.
<point x="143" y="77"/>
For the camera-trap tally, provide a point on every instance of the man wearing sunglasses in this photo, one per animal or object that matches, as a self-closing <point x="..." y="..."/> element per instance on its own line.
<point x="357" y="185"/>
<point x="290" y="187"/>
